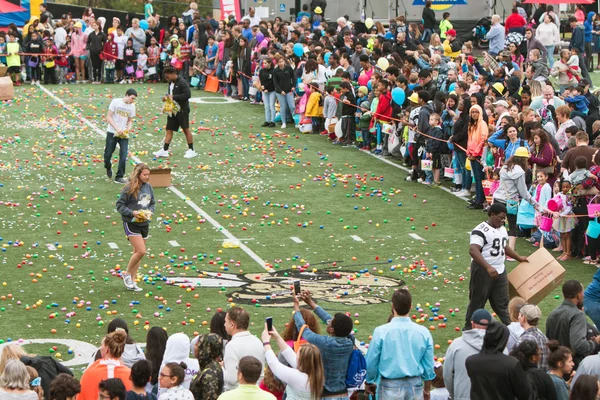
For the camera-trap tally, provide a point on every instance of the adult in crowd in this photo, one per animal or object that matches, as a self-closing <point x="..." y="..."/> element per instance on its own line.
<point x="547" y="98"/>
<point x="429" y="22"/>
<point x="336" y="348"/>
<point x="478" y="134"/>
<point x="14" y="382"/>
<point x="489" y="279"/>
<point x="64" y="387"/>
<point x="156" y="343"/>
<point x="582" y="148"/>
<point x="248" y="371"/>
<point x="529" y="317"/>
<point x="95" y="45"/>
<point x="456" y="378"/>
<point x="400" y="354"/>
<point x="496" y="36"/>
<point x="567" y="324"/>
<point x="493" y="374"/>
<point x="242" y="344"/>
<point x="208" y="383"/>
<point x="136" y="34"/>
<point x="177" y="351"/>
<point x="560" y="362"/>
<point x="512" y="189"/>
<point x="304" y="377"/>
<point x="109" y="366"/>
<point x="548" y="34"/>
<point x="132" y="352"/>
<point x="529" y="353"/>
<point x="586" y="388"/>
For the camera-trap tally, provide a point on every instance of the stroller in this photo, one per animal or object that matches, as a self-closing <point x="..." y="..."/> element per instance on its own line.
<point x="480" y="31"/>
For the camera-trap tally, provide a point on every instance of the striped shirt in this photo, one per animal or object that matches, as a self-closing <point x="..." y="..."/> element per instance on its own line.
<point x="537" y="336"/>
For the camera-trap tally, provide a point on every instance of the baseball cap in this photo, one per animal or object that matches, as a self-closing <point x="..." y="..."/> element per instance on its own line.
<point x="451" y="32"/>
<point x="482" y="317"/>
<point x="131" y="92"/>
<point x="531" y="312"/>
<point x="502" y="103"/>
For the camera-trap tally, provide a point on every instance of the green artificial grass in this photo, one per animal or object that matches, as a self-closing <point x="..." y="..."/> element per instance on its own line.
<point x="336" y="218"/>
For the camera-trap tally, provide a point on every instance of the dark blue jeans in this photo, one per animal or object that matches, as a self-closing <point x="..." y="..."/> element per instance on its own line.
<point x="461" y="158"/>
<point x="109" y="149"/>
<point x="477" y="170"/>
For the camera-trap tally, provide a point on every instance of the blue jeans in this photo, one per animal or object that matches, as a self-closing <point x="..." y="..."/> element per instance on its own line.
<point x="109" y="149"/>
<point x="245" y="86"/>
<point x="477" y="170"/>
<point x="287" y="103"/>
<point x="400" y="389"/>
<point x="269" y="101"/>
<point x="550" y="55"/>
<point x="220" y="73"/>
<point x="461" y="159"/>
<point x="592" y="310"/>
<point x="426" y="35"/>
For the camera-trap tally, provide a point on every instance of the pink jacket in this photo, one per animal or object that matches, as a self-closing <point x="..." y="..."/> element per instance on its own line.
<point x="78" y="43"/>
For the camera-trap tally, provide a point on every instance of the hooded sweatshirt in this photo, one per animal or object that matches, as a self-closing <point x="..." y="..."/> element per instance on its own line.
<point x="513" y="186"/>
<point x="178" y="350"/>
<point x="588" y="27"/>
<point x="468" y="344"/>
<point x="494" y="375"/>
<point x="578" y="39"/>
<point x="478" y="133"/>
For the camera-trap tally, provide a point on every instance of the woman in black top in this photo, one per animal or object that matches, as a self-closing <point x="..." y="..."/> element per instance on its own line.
<point x="528" y="353"/>
<point x="267" y="87"/>
<point x="244" y="64"/>
<point x="285" y="84"/>
<point x="95" y="44"/>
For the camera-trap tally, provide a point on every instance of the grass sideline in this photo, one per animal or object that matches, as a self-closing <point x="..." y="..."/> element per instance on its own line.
<point x="331" y="216"/>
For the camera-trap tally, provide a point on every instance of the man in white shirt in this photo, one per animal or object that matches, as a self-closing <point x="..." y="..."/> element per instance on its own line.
<point x="242" y="344"/>
<point x="501" y="108"/>
<point x="489" y="280"/>
<point x="119" y="118"/>
<point x="252" y="17"/>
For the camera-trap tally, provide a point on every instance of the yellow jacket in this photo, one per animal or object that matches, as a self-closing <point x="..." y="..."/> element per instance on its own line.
<point x="448" y="50"/>
<point x="31" y="21"/>
<point x="313" y="109"/>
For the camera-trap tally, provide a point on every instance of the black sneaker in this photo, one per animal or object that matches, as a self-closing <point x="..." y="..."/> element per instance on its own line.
<point x="475" y="206"/>
<point x="109" y="173"/>
<point x="271" y="124"/>
<point x="121" y="180"/>
<point x="265" y="124"/>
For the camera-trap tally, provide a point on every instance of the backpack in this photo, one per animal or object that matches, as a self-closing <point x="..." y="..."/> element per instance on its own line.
<point x="507" y="142"/>
<point x="533" y="395"/>
<point x="357" y="369"/>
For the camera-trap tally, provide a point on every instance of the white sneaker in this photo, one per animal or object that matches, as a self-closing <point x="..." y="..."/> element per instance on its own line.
<point x="127" y="281"/>
<point x="190" y="154"/>
<point x="161" y="153"/>
<point x="135" y="288"/>
<point x="464" y="193"/>
<point x="283" y="126"/>
<point x="122" y="82"/>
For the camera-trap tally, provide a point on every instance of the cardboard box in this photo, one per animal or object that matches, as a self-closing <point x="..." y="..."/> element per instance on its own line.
<point x="536" y="279"/>
<point x="7" y="91"/>
<point x="160" y="177"/>
<point x="3" y="71"/>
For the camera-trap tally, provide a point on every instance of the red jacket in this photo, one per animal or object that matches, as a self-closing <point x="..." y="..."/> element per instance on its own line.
<point x="384" y="107"/>
<point x="110" y="51"/>
<point x="514" y="21"/>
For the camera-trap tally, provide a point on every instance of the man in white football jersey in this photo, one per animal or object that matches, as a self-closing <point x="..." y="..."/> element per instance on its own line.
<point x="489" y="279"/>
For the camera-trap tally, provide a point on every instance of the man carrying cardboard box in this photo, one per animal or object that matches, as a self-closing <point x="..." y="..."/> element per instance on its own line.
<point x="489" y="280"/>
<point x="567" y="323"/>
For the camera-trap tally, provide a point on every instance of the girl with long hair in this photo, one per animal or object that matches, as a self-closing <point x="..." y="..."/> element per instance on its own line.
<point x="156" y="343"/>
<point x="560" y="361"/>
<point x="305" y="377"/>
<point x="244" y="64"/>
<point x="136" y="205"/>
<point x="478" y="134"/>
<point x="528" y="353"/>
<point x="586" y="387"/>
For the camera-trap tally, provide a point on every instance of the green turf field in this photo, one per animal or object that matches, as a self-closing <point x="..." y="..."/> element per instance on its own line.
<point x="346" y="223"/>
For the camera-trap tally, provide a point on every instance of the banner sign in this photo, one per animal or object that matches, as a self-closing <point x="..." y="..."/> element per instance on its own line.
<point x="229" y="7"/>
<point x="438" y="5"/>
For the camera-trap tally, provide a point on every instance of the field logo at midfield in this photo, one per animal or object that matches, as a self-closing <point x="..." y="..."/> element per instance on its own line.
<point x="274" y="290"/>
<point x="440" y="5"/>
<point x="213" y="100"/>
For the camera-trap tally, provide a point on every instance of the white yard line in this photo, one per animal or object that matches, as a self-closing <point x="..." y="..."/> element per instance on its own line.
<point x="177" y="192"/>
<point x="415" y="236"/>
<point x="296" y="239"/>
<point x="357" y="238"/>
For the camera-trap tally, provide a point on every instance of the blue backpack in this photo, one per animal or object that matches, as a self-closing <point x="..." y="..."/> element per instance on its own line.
<point x="357" y="369"/>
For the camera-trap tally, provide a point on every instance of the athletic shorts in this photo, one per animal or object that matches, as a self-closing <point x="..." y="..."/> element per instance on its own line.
<point x="436" y="161"/>
<point x="180" y="120"/>
<point x="14" y="70"/>
<point x="135" y="230"/>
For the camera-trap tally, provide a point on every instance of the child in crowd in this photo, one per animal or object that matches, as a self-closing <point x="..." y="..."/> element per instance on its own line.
<point x="110" y="54"/>
<point x="35" y="382"/>
<point x="348" y="111"/>
<point x="199" y="67"/>
<point x="62" y="61"/>
<point x="142" y="64"/>
<point x="434" y="148"/>
<point x="141" y="372"/>
<point x="329" y="109"/>
<point x="112" y="389"/>
<point x="121" y="40"/>
<point x="172" y="376"/>
<point x="439" y="391"/>
<point x="129" y="59"/>
<point x="564" y="223"/>
<point x="514" y="328"/>
<point x="314" y="107"/>
<point x="3" y="49"/>
<point x="185" y="54"/>
<point x="364" y="124"/>
<point x="582" y="173"/>
<point x="153" y="59"/>
<point x="50" y="52"/>
<point x="542" y="193"/>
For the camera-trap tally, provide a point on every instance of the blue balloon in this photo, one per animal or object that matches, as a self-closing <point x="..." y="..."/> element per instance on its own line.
<point x="369" y="85"/>
<point x="452" y="87"/>
<point x="298" y="50"/>
<point x="144" y="24"/>
<point x="83" y="26"/>
<point x="398" y="96"/>
<point x="326" y="58"/>
<point x="389" y="35"/>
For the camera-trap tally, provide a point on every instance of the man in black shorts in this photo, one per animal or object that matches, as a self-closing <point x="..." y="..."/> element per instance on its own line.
<point x="179" y="92"/>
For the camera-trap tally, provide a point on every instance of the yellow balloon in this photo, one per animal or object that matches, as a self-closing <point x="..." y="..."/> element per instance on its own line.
<point x="383" y="63"/>
<point x="369" y="23"/>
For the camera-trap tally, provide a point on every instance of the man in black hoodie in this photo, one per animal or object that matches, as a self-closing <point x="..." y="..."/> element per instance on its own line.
<point x="494" y="375"/>
<point x="422" y="127"/>
<point x="429" y="22"/>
